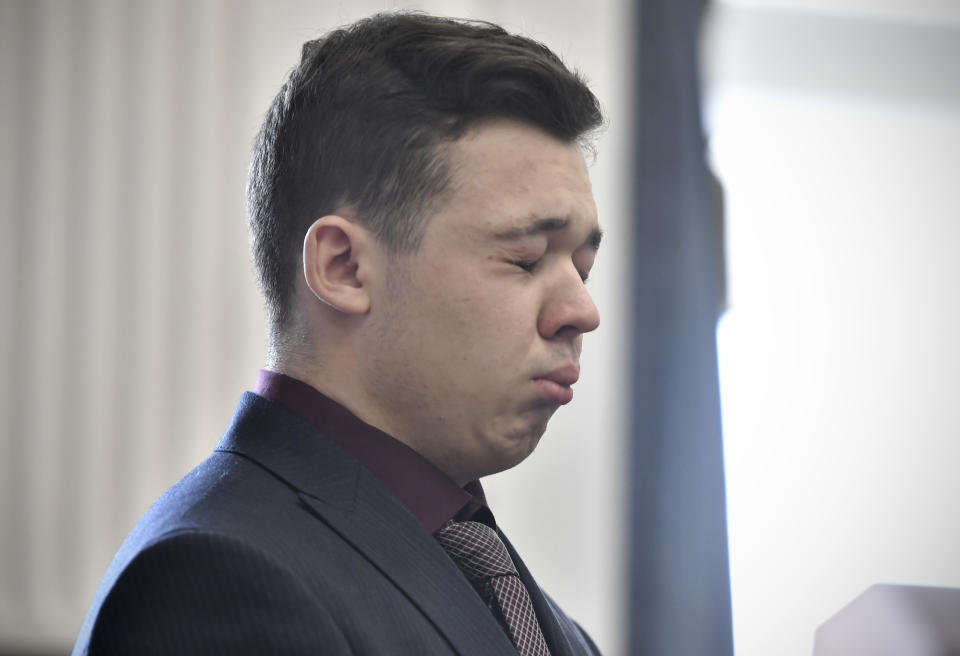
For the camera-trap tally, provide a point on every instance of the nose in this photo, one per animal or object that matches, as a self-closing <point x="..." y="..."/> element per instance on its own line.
<point x="569" y="310"/>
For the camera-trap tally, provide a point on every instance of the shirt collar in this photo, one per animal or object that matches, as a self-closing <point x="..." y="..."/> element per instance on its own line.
<point x="427" y="492"/>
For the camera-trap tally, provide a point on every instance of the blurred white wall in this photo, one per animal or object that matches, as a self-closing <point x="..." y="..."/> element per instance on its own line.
<point x="132" y="323"/>
<point x="835" y="127"/>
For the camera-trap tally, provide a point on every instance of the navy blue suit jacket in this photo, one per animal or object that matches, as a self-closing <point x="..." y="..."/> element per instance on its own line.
<point x="282" y="543"/>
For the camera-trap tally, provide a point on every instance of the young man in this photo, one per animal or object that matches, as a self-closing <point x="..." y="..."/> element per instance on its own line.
<point x="422" y="224"/>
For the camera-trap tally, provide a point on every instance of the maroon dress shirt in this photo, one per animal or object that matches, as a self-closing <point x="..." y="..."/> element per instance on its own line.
<point x="427" y="492"/>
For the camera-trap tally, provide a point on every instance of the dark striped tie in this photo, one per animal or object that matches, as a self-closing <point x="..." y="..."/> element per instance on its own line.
<point x="483" y="558"/>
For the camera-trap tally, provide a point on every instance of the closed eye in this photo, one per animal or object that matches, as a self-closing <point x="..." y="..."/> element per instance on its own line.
<point x="528" y="265"/>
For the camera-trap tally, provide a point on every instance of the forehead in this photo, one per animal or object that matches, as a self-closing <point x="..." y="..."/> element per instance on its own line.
<point x="506" y="174"/>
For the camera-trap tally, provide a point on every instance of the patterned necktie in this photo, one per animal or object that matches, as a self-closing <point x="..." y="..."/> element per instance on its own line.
<point x="483" y="558"/>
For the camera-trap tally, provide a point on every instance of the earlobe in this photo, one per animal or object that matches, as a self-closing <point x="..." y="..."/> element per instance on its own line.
<point x="333" y="251"/>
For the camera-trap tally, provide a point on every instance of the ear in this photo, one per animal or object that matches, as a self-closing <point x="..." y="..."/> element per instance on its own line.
<point x="334" y="266"/>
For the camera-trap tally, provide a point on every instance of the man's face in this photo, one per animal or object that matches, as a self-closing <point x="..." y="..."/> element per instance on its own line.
<point x="474" y="340"/>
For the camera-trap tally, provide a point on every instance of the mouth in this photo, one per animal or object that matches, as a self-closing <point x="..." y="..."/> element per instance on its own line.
<point x="556" y="386"/>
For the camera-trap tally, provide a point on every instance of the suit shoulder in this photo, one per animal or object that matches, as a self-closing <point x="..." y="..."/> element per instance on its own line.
<point x="225" y="494"/>
<point x="195" y="592"/>
<point x="215" y="545"/>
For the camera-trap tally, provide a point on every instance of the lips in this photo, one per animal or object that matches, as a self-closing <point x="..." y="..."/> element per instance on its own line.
<point x="554" y="386"/>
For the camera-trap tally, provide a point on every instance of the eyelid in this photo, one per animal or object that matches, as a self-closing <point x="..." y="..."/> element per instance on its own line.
<point x="528" y="265"/>
<point x="529" y="256"/>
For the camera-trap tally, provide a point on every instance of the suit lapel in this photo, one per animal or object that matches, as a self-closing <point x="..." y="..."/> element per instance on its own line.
<point x="396" y="543"/>
<point x="352" y="502"/>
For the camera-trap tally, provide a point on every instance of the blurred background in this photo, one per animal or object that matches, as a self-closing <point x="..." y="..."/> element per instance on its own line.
<point x="835" y="128"/>
<point x="132" y="323"/>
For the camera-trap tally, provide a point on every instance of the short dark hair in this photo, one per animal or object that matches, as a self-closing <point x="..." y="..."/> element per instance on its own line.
<point x="362" y="122"/>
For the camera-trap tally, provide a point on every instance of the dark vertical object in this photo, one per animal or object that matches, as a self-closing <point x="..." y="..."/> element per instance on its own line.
<point x="680" y="584"/>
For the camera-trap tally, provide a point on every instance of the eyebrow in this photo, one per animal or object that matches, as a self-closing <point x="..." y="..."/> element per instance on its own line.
<point x="546" y="225"/>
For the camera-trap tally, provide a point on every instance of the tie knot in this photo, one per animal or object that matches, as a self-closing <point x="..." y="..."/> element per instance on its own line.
<point x="476" y="549"/>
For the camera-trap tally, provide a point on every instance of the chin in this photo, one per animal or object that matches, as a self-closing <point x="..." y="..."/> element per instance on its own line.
<point x="508" y="446"/>
<point x="521" y="444"/>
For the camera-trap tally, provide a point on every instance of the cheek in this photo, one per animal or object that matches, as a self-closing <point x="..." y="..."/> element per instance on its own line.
<point x="472" y="318"/>
<point x="498" y="337"/>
